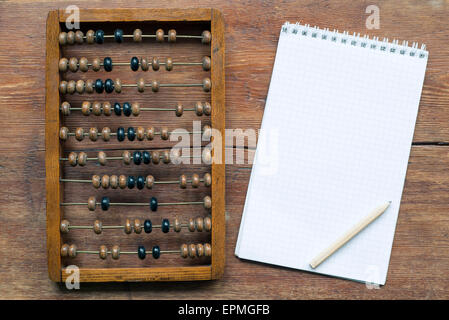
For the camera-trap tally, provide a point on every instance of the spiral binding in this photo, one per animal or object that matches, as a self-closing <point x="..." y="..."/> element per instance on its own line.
<point x="355" y="40"/>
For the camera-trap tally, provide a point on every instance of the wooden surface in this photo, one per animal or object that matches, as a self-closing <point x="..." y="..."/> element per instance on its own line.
<point x="420" y="258"/>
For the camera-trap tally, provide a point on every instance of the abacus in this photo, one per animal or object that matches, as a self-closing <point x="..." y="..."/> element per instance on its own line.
<point x="126" y="202"/>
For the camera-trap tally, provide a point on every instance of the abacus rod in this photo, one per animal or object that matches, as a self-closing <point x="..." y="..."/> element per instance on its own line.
<point x="128" y="252"/>
<point x="150" y="63"/>
<point x="156" y="226"/>
<point x="113" y="134"/>
<point x="121" y="158"/>
<point x="141" y="109"/>
<point x="155" y="182"/>
<point x="131" y="85"/>
<point x="133" y="203"/>
<point x="181" y="36"/>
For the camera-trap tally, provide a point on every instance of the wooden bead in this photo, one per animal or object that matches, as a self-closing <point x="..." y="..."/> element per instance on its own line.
<point x="206" y="37"/>
<point x="164" y="133"/>
<point x="207" y="108"/>
<point x="207" y="133"/>
<point x="106" y="133"/>
<point x="144" y="64"/>
<point x="183" y="181"/>
<point x="207" y="84"/>
<point x="177" y="225"/>
<point x="65" y="108"/>
<point x="71" y="86"/>
<point x="79" y="37"/>
<point x="122" y="181"/>
<point x="207" y="156"/>
<point x="64" y="250"/>
<point x="140" y="133"/>
<point x="195" y="180"/>
<point x="207" y="250"/>
<point x="79" y="86"/>
<point x="149" y="181"/>
<point x="72" y="251"/>
<point x="135" y="109"/>
<point x="96" y="108"/>
<point x="84" y="64"/>
<point x="166" y="156"/>
<point x="155" y="86"/>
<point x="107" y="108"/>
<point x="199" y="250"/>
<point x="184" y="251"/>
<point x="199" y="224"/>
<point x="118" y="85"/>
<point x="79" y="134"/>
<point x="207" y="179"/>
<point x="63" y="87"/>
<point x="207" y="224"/>
<point x="98" y="226"/>
<point x="90" y="36"/>
<point x="199" y="108"/>
<point x="207" y="202"/>
<point x="64" y="226"/>
<point x="206" y="63"/>
<point x="96" y="64"/>
<point x="103" y="252"/>
<point x="113" y="180"/>
<point x="169" y="64"/>
<point x="155" y="63"/>
<point x="105" y="181"/>
<point x="115" y="252"/>
<point x="137" y="226"/>
<point x="91" y="203"/>
<point x="96" y="181"/>
<point x="160" y="35"/>
<point x="150" y="133"/>
<point x="128" y="227"/>
<point x="63" y="64"/>
<point x="63" y="133"/>
<point x="141" y="85"/>
<point x="62" y="38"/>
<point x="102" y="158"/>
<point x="191" y="225"/>
<point x="89" y="86"/>
<point x="72" y="159"/>
<point x="179" y="110"/>
<point x="137" y="35"/>
<point x="127" y="156"/>
<point x="93" y="134"/>
<point x="70" y="37"/>
<point x="192" y="250"/>
<point x="172" y="35"/>
<point x="85" y="108"/>
<point x="82" y="159"/>
<point x="155" y="157"/>
<point x="73" y="64"/>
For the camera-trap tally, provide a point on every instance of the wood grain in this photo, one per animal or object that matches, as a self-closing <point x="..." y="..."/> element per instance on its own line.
<point x="420" y="255"/>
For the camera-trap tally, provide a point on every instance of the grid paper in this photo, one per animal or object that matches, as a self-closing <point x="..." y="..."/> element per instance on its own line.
<point x="334" y="145"/>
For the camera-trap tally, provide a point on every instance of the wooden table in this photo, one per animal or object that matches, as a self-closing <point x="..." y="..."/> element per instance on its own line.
<point x="419" y="266"/>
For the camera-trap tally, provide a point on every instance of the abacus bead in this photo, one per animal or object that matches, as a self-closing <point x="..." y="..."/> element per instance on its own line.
<point x="137" y="157"/>
<point x="207" y="84"/>
<point x="131" y="134"/>
<point x="149" y="181"/>
<point x="127" y="109"/>
<point x="99" y="86"/>
<point x="155" y="86"/>
<point x="98" y="226"/>
<point x="71" y="86"/>
<point x="64" y="226"/>
<point x="183" y="181"/>
<point x="90" y="36"/>
<point x="172" y="35"/>
<point x="117" y="109"/>
<point x="169" y="64"/>
<point x="102" y="158"/>
<point x="96" y="64"/>
<point x="118" y="85"/>
<point x="72" y="251"/>
<point x="105" y="203"/>
<point x="153" y="204"/>
<point x="72" y="158"/>
<point x="89" y="86"/>
<point x="207" y="250"/>
<point x="134" y="64"/>
<point x="141" y="253"/>
<point x="207" y="202"/>
<point x="63" y="87"/>
<point x="73" y="64"/>
<point x="64" y="250"/>
<point x="160" y="35"/>
<point x="164" y="133"/>
<point x="137" y="35"/>
<point x="107" y="64"/>
<point x="199" y="250"/>
<point x="179" y="110"/>
<point x="166" y="156"/>
<point x="177" y="225"/>
<point x="96" y="181"/>
<point x="63" y="38"/>
<point x="135" y="109"/>
<point x="91" y="203"/>
<point x="99" y="36"/>
<point x="63" y="64"/>
<point x="105" y="181"/>
<point x="155" y="157"/>
<point x="141" y="85"/>
<point x="70" y="37"/>
<point x="118" y="35"/>
<point x="195" y="180"/>
<point x="207" y="108"/>
<point x="207" y="156"/>
<point x="140" y="133"/>
<point x="85" y="108"/>
<point x="93" y="134"/>
<point x="115" y="252"/>
<point x="113" y="180"/>
<point x="150" y="133"/>
<point x="84" y="64"/>
<point x="192" y="250"/>
<point x="120" y="134"/>
<point x="109" y="86"/>
<point x="199" y="224"/>
<point x="144" y="65"/>
<point x="103" y="253"/>
<point x="165" y="226"/>
<point x="96" y="108"/>
<point x="107" y="108"/>
<point x="79" y="36"/>
<point x="199" y="108"/>
<point x="82" y="159"/>
<point x="206" y="37"/>
<point x="79" y="86"/>
<point x="207" y="179"/>
<point x="130" y="182"/>
<point x="207" y="224"/>
<point x="79" y="134"/>
<point x="63" y="133"/>
<point x="206" y="63"/>
<point x="128" y="227"/>
<point x="155" y="63"/>
<point x="137" y="226"/>
<point x="184" y="251"/>
<point x="148" y="226"/>
<point x="140" y="182"/>
<point x="207" y="133"/>
<point x="191" y="225"/>
<point x="127" y="157"/>
<point x="156" y="251"/>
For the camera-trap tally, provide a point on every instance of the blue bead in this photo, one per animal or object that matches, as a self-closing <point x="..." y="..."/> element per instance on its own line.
<point x="146" y="157"/>
<point x="165" y="226"/>
<point x="107" y="64"/>
<point x="134" y="64"/>
<point x="118" y="35"/>
<point x="127" y="109"/>
<point x="137" y="157"/>
<point x="156" y="252"/>
<point x="105" y="203"/>
<point x="99" y="86"/>
<point x="120" y="134"/>
<point x="153" y="204"/>
<point x="117" y="109"/>
<point x="140" y="182"/>
<point x="147" y="226"/>
<point x="109" y="86"/>
<point x="141" y="252"/>
<point x="131" y="134"/>
<point x="99" y="36"/>
<point x="131" y="182"/>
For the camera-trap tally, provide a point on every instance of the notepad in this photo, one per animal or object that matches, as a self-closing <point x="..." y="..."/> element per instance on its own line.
<point x="334" y="144"/>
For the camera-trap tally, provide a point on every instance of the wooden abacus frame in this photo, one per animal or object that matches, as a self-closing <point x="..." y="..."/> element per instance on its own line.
<point x="54" y="148"/>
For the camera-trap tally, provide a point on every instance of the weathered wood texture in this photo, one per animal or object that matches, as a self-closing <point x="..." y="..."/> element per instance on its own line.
<point x="420" y="257"/>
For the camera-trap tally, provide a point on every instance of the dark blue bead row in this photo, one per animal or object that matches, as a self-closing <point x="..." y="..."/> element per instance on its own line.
<point x="127" y="111"/>
<point x="141" y="252"/>
<point x="118" y="35"/>
<point x="107" y="64"/>
<point x="134" y="63"/>
<point x="107" y="85"/>
<point x="99" y="36"/>
<point x="147" y="226"/>
<point x="165" y="226"/>
<point x="153" y="204"/>
<point x="105" y="203"/>
<point x="131" y="132"/>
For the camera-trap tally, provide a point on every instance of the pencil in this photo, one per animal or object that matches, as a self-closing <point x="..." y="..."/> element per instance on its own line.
<point x="351" y="233"/>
